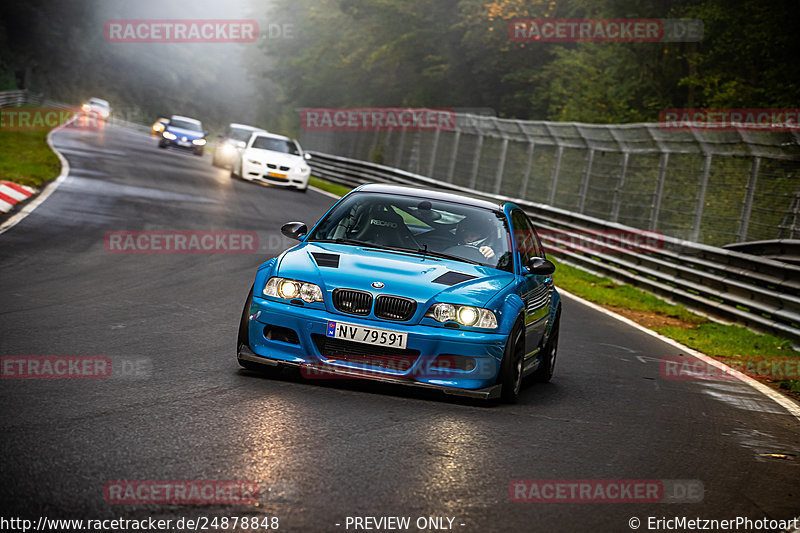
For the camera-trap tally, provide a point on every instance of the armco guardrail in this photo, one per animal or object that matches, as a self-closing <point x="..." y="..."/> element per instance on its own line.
<point x="757" y="292"/>
<point x="21" y="98"/>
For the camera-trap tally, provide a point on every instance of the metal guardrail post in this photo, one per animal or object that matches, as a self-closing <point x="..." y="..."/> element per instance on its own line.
<point x="434" y="149"/>
<point x="617" y="199"/>
<point x="523" y="189"/>
<point x="398" y="158"/>
<point x="498" y="180"/>
<point x="453" y="156"/>
<point x="655" y="206"/>
<point x="551" y="198"/>
<point x="701" y="199"/>
<point x="476" y="161"/>
<point x="749" y="193"/>
<point x="585" y="184"/>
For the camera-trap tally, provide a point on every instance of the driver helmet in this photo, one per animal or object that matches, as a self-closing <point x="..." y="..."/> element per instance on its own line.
<point x="471" y="231"/>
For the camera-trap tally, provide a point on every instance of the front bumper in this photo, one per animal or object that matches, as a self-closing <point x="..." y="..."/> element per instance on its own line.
<point x="307" y="349"/>
<point x="293" y="178"/>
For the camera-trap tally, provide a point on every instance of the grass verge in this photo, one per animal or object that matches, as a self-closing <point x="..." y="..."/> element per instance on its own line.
<point x="25" y="158"/>
<point x="765" y="357"/>
<point x="333" y="188"/>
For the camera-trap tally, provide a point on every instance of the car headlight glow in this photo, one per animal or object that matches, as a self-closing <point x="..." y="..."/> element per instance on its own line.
<point x="199" y="142"/>
<point x="86" y="108"/>
<point x="466" y="315"/>
<point x="158" y="127"/>
<point x="169" y="135"/>
<point x="228" y="148"/>
<point x="290" y="289"/>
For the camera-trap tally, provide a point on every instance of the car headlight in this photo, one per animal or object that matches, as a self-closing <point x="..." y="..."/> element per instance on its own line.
<point x="158" y="127"/>
<point x="199" y="142"/>
<point x="253" y="162"/>
<point x="466" y="315"/>
<point x="290" y="289"/>
<point x="169" y="135"/>
<point x="228" y="148"/>
<point x="86" y="108"/>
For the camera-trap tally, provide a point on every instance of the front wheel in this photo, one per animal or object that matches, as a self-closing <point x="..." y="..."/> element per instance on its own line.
<point x="547" y="365"/>
<point x="243" y="340"/>
<point x="511" y="368"/>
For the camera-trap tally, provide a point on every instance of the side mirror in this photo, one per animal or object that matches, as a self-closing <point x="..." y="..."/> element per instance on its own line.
<point x="541" y="267"/>
<point x="307" y="155"/>
<point x="294" y="230"/>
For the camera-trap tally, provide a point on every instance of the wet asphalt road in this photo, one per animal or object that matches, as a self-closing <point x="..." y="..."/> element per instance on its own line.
<point x="321" y="451"/>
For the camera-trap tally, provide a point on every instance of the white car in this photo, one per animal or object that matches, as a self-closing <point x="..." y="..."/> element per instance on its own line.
<point x="98" y="107"/>
<point x="231" y="144"/>
<point x="273" y="159"/>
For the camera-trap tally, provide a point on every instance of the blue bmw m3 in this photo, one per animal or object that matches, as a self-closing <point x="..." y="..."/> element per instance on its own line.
<point x="410" y="286"/>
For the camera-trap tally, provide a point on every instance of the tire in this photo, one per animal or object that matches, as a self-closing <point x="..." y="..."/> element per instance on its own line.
<point x="303" y="190"/>
<point x="198" y="152"/>
<point x="234" y="175"/>
<point x="546" y="368"/>
<point x="511" y="368"/>
<point x="162" y="144"/>
<point x="243" y="339"/>
<point x="214" y="162"/>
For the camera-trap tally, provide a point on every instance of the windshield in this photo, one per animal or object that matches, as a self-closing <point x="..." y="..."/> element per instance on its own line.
<point x="185" y="125"/>
<point x="462" y="232"/>
<point x="276" y="145"/>
<point x="240" y="134"/>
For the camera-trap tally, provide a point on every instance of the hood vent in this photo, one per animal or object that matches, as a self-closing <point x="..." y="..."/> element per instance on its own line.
<point x="326" y="260"/>
<point x="453" y="278"/>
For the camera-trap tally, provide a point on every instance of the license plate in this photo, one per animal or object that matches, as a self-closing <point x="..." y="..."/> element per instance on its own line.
<point x="277" y="175"/>
<point x="374" y="336"/>
<point x="182" y="143"/>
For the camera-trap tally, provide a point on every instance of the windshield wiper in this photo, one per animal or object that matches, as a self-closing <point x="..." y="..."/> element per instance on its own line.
<point x="354" y="242"/>
<point x="442" y="255"/>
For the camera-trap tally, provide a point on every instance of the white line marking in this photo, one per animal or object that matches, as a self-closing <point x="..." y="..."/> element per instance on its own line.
<point x="777" y="397"/>
<point x="28" y="209"/>
<point x="326" y="193"/>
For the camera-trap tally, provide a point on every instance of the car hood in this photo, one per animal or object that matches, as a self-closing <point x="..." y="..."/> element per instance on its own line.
<point x="189" y="134"/>
<point x="275" y="158"/>
<point x="408" y="275"/>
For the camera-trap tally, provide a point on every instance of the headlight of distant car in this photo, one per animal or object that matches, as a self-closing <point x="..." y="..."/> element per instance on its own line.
<point x="290" y="289"/>
<point x="169" y="135"/>
<point x="253" y="162"/>
<point x="86" y="108"/>
<point x="199" y="142"/>
<point x="466" y="315"/>
<point x="159" y="126"/>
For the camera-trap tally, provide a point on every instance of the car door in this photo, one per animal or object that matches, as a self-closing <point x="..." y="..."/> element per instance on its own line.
<point x="535" y="290"/>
